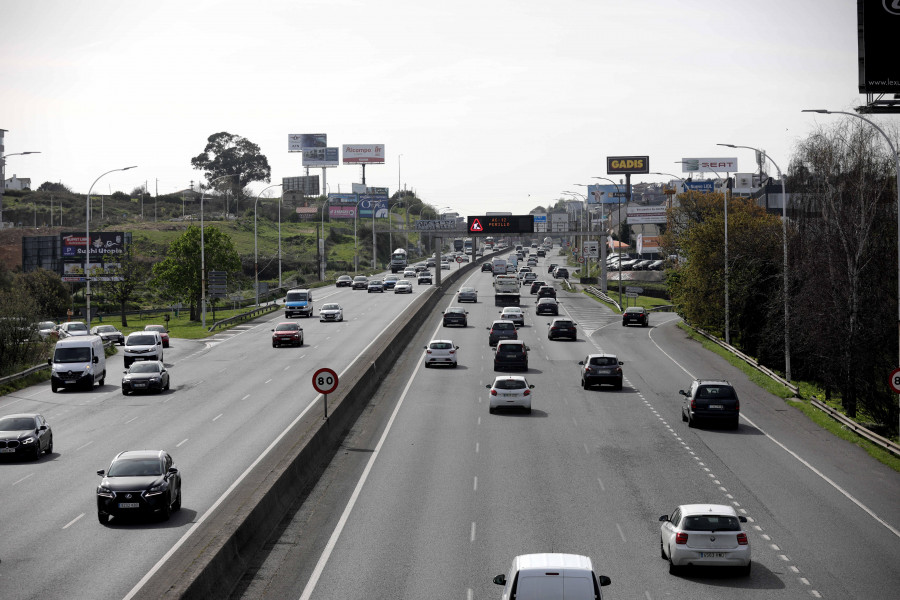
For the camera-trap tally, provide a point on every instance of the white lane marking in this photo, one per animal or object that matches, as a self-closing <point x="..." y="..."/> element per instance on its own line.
<point x="602" y="489"/>
<point x="621" y="533"/>
<point x="130" y="420"/>
<point x="23" y="479"/>
<point x="217" y="417"/>
<point x="245" y="397"/>
<point x="268" y="380"/>
<point x="802" y="461"/>
<point x="315" y="402"/>
<point x="83" y="446"/>
<point x="13" y="402"/>
<point x="476" y="447"/>
<point x="475" y="484"/>
<point x="472" y="532"/>
<point x="73" y="521"/>
<point x="178" y="445"/>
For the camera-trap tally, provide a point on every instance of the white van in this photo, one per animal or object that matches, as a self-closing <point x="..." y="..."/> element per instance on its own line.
<point x="77" y="362"/>
<point x="551" y="576"/>
<point x="143" y="345"/>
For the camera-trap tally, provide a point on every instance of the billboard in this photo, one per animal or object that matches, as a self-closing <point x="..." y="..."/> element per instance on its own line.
<point x="342" y="211"/>
<point x="308" y="185"/>
<point x="106" y="250"/>
<point x="605" y="194"/>
<point x="370" y="202"/>
<point x="706" y="187"/>
<point x="616" y="165"/>
<point x="342" y="199"/>
<point x="320" y="157"/>
<point x="702" y="165"/>
<point x="297" y="142"/>
<point x="647" y="243"/>
<point x="355" y="154"/>
<point x="646" y="214"/>
<point x="878" y="22"/>
<point x="500" y="224"/>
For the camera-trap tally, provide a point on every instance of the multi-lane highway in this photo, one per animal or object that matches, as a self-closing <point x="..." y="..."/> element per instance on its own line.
<point x="230" y="396"/>
<point x="432" y="496"/>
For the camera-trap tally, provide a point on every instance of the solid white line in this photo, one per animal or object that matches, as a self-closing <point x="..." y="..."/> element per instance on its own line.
<point x="217" y="417"/>
<point x="73" y="521"/>
<point x="83" y="446"/>
<point x="475" y="484"/>
<point x="243" y="475"/>
<point x="23" y="479"/>
<point x="472" y="532"/>
<point x="130" y="420"/>
<point x="245" y="397"/>
<point x="178" y="445"/>
<point x="621" y="533"/>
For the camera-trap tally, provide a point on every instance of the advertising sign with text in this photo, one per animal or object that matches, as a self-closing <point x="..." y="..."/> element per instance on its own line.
<point x="297" y="142"/>
<point x="703" y="165"/>
<point x="355" y="154"/>
<point x="342" y="211"/>
<point x="320" y="157"/>
<point x="605" y="194"/>
<point x="616" y="165"/>
<point x="646" y="214"/>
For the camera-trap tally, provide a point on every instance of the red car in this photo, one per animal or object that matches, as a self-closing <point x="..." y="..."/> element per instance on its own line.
<point x="162" y="333"/>
<point x="287" y="333"/>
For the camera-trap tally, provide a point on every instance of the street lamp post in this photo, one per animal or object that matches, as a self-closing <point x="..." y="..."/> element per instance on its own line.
<point x="256" y="247"/>
<point x="896" y="154"/>
<point x="603" y="266"/>
<point x="784" y="201"/>
<point x="87" y="245"/>
<point x="203" y="252"/>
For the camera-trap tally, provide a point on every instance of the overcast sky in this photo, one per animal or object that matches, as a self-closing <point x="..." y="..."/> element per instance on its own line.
<point x="494" y="105"/>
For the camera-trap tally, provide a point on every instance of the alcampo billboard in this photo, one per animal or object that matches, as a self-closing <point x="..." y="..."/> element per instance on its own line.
<point x="356" y="154"/>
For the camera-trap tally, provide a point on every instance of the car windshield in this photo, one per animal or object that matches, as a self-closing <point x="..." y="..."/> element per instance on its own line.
<point x="375" y="282"/>
<point x="76" y="327"/>
<point x="330" y="307"/>
<point x="711" y="523"/>
<point x="359" y="278"/>
<point x="604" y="361"/>
<point x="17" y="423"/>
<point x="403" y="282"/>
<point x="510" y="349"/>
<point x="145" y="367"/>
<point x="391" y="278"/>
<point x="135" y="467"/>
<point x="296" y="296"/>
<point x="106" y="329"/>
<point x="140" y="340"/>
<point x="158" y="328"/>
<point x="441" y="345"/>
<point x="509" y="384"/>
<point x="718" y="391"/>
<point x="287" y="327"/>
<point x="72" y="355"/>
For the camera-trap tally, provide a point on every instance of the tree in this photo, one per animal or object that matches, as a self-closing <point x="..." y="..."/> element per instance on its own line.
<point x="231" y="155"/>
<point x="845" y="249"/>
<point x="131" y="274"/>
<point x="47" y="292"/>
<point x="18" y="326"/>
<point x="49" y="186"/>
<point x="178" y="275"/>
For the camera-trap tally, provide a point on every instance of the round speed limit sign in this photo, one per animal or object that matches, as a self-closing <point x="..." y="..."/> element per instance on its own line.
<point x="895" y="380"/>
<point x="325" y="381"/>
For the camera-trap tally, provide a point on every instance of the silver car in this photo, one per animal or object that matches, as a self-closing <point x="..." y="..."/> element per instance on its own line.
<point x="468" y="294"/>
<point x="331" y="312"/>
<point x="403" y="287"/>
<point x="704" y="535"/>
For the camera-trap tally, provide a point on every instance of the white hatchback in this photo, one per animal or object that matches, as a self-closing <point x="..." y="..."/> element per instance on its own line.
<point x="331" y="312"/>
<point x="704" y="535"/>
<point x="510" y="391"/>
<point x="441" y="352"/>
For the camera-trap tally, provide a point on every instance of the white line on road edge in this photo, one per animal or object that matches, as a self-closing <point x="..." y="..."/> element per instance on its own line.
<point x="72" y="522"/>
<point x="243" y="475"/>
<point x="795" y="455"/>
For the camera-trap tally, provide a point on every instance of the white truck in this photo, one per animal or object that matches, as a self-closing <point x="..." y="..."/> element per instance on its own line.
<point x="506" y="290"/>
<point x="399" y="261"/>
<point x="499" y="266"/>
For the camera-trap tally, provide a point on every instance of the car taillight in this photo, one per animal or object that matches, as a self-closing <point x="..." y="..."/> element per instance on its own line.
<point x="737" y="404"/>
<point x="742" y="539"/>
<point x="619" y="370"/>
<point x="452" y="351"/>
<point x="693" y="403"/>
<point x="681" y="538"/>
<point x="493" y="392"/>
<point x="587" y="369"/>
<point x="428" y="352"/>
<point x="527" y="392"/>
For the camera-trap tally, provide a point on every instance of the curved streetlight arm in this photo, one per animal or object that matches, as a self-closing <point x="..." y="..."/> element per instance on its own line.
<point x="87" y="241"/>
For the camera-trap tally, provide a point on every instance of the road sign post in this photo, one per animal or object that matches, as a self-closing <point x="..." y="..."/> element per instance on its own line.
<point x="325" y="381"/>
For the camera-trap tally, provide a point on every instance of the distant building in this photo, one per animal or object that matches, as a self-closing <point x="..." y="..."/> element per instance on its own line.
<point x="18" y="183"/>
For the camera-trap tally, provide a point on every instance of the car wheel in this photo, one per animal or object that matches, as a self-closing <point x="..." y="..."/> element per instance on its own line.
<point x="427" y="365"/>
<point x="528" y="411"/>
<point x="492" y="410"/>
<point x="167" y="385"/>
<point x="662" y="549"/>
<point x="274" y="345"/>
<point x="691" y="423"/>
<point x="745" y="571"/>
<point x="124" y="392"/>
<point x="166" y="513"/>
<point x="301" y="340"/>
<point x="584" y="384"/>
<point x="53" y="387"/>
<point x="127" y="362"/>
<point x="37" y="452"/>
<point x="683" y="417"/>
<point x="102" y="517"/>
<point x="673" y="568"/>
<point x="736" y="423"/>
<point x="50" y="446"/>
<point x="619" y="385"/>
<point x="453" y="365"/>
<point x="102" y="379"/>
<point x="177" y="505"/>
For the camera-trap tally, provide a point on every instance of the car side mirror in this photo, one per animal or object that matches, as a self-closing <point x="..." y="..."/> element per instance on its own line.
<point x="101" y="472"/>
<point x="604" y="580"/>
<point x="273" y="330"/>
<point x="531" y="386"/>
<point x="42" y="428"/>
<point x="682" y="392"/>
<point x="457" y="347"/>
<point x="664" y="518"/>
<point x="500" y="579"/>
<point x="172" y="471"/>
<point x="742" y="519"/>
<point x="50" y="361"/>
<point x="125" y="371"/>
<point x="581" y="362"/>
<point x="96" y="360"/>
<point x="621" y="363"/>
<point x="488" y="386"/>
<point x="425" y="347"/>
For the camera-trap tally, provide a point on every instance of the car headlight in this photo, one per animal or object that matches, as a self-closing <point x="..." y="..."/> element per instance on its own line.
<point x="158" y="488"/>
<point x="29" y="440"/>
<point x="104" y="491"/>
<point x="154" y="380"/>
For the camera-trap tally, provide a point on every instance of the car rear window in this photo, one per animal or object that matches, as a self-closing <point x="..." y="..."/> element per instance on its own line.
<point x="504" y="326"/>
<point x="510" y="349"/>
<point x="603" y="361"/>
<point x="509" y="384"/>
<point x="440" y="346"/>
<point x="562" y="323"/>
<point x="711" y="523"/>
<point x="634" y="309"/>
<point x="718" y="391"/>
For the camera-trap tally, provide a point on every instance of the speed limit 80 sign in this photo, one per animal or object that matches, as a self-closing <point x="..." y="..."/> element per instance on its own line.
<point x="325" y="381"/>
<point x="895" y="381"/>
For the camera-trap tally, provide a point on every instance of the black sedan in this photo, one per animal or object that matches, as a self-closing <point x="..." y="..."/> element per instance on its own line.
<point x="344" y="281"/>
<point x="25" y="435"/>
<point x="456" y="315"/>
<point x="145" y="376"/>
<point x="636" y="314"/>
<point x="711" y="401"/>
<point x="487" y="267"/>
<point x="139" y="482"/>
<point x="108" y="333"/>
<point x="562" y="328"/>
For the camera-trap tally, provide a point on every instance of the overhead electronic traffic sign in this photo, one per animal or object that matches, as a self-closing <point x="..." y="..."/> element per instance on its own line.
<point x="501" y="224"/>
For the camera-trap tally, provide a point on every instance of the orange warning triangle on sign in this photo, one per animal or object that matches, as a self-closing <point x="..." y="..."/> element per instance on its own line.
<point x="476" y="225"/>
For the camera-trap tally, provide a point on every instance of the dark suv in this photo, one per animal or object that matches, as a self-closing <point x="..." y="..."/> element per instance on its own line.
<point x="711" y="400"/>
<point x="502" y="330"/>
<point x="562" y="328"/>
<point x="636" y="314"/>
<point x="511" y="354"/>
<point x="547" y="306"/>
<point x="598" y="369"/>
<point x="546" y="291"/>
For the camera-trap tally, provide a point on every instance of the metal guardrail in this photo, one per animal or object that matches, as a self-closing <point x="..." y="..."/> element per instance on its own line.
<point x="247" y="315"/>
<point x="856" y="427"/>
<point x="599" y="293"/>
<point x="24" y="373"/>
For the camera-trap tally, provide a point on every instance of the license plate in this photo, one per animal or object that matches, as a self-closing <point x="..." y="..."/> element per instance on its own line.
<point x="712" y="555"/>
<point x="4" y="450"/>
<point x="716" y="406"/>
<point x="509" y="395"/>
<point x="140" y="385"/>
<point x="129" y="504"/>
<point x="68" y="381"/>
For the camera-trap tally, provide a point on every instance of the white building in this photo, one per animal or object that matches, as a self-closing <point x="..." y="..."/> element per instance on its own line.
<point x="18" y="183"/>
